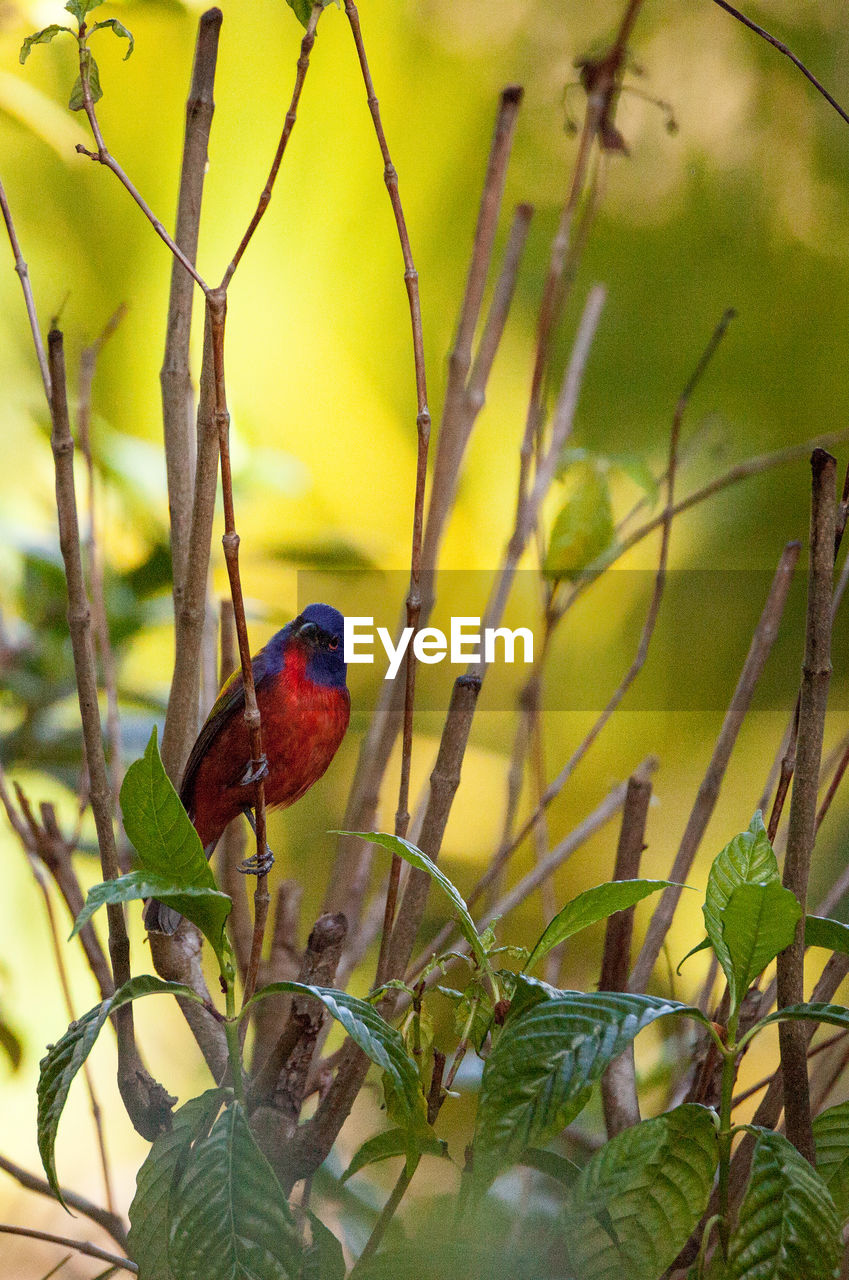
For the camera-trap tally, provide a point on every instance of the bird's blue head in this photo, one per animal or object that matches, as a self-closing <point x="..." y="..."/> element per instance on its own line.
<point x="320" y="629"/>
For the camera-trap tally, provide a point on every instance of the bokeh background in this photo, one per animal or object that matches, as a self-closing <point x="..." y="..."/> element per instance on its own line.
<point x="747" y="204"/>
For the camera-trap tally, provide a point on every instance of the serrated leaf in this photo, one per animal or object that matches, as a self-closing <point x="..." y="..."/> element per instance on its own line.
<point x="747" y="859"/>
<point x="229" y="1216"/>
<point x="636" y="1203"/>
<point x="119" y="29"/>
<point x="63" y="1060"/>
<point x="377" y="1039"/>
<point x="76" y="102"/>
<point x="147" y="1242"/>
<point x="548" y="1055"/>
<point x="831" y="1137"/>
<point x="393" y="1142"/>
<point x="787" y="1226"/>
<point x="583" y="529"/>
<point x="162" y="835"/>
<point x="409" y="852"/>
<point x="758" y="921"/>
<point x="821" y="931"/>
<point x="44" y="36"/>
<point x="589" y="907"/>
<point x="206" y="907"/>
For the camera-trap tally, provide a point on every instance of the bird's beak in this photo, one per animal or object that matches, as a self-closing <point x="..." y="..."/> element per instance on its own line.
<point x="308" y="631"/>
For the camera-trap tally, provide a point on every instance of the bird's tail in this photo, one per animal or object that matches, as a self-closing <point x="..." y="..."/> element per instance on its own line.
<point x="160" y="919"/>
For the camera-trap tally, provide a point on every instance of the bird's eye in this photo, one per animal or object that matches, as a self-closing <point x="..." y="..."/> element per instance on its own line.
<point x="333" y="644"/>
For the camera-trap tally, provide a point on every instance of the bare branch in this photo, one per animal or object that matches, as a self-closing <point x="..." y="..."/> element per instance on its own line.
<point x="175" y="377"/>
<point x="288" y="125"/>
<point x="782" y="48"/>
<point x="110" y="1222"/>
<point x="80" y="1246"/>
<point x="23" y="275"/>
<point x="816" y="675"/>
<point x="759" y="650"/>
<point x="618" y="1084"/>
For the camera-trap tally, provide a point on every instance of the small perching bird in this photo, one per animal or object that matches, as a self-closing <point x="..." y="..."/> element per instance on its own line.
<point x="304" y="704"/>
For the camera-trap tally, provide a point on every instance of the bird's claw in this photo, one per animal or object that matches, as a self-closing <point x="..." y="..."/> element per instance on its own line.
<point x="253" y="775"/>
<point x="257" y="865"/>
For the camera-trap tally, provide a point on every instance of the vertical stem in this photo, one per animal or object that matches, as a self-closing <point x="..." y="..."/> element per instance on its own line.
<point x="816" y="674"/>
<point x="729" y="1075"/>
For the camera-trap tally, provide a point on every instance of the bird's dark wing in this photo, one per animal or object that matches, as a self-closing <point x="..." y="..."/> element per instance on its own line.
<point x="230" y="702"/>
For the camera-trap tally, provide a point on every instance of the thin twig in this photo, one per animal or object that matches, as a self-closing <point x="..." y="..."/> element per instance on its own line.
<point x="788" y="53"/>
<point x="23" y="275"/>
<point x="816" y="675"/>
<point x="288" y="125"/>
<point x="80" y="1246"/>
<point x="411" y="279"/>
<point x="618" y="1084"/>
<point x="147" y="1103"/>
<point x="110" y="1222"/>
<point x="759" y="650"/>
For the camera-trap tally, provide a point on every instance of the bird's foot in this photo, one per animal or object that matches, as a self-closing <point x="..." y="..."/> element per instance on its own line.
<point x="256" y="865"/>
<point x="253" y="775"/>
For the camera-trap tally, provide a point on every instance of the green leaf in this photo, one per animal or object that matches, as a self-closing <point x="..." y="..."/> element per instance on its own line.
<point x="303" y="8"/>
<point x="393" y="1142"/>
<point x="820" y="931"/>
<point x="77" y="101"/>
<point x="758" y="921"/>
<point x="79" y="8"/>
<point x="409" y="852"/>
<point x="548" y="1054"/>
<point x="635" y="1204"/>
<point x="380" y="1042"/>
<point x="589" y="907"/>
<point x="41" y="37"/>
<point x="831" y="1137"/>
<point x="64" y="1059"/>
<point x="787" y="1227"/>
<point x="833" y="1014"/>
<point x="147" y="1242"/>
<point x="119" y="29"/>
<point x="229" y="1216"/>
<point x="747" y="859"/>
<point x="584" y="527"/>
<point x="555" y="1166"/>
<point x="162" y="835"/>
<point x="206" y="907"/>
<point x="704" y="945"/>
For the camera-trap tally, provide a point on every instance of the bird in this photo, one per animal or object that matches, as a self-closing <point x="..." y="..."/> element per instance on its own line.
<point x="304" y="704"/>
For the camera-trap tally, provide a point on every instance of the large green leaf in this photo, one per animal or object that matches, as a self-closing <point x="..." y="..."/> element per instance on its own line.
<point x="207" y="907"/>
<point x="392" y="1142"/>
<point x="147" y="1242"/>
<point x="162" y="835"/>
<point x="820" y="931"/>
<point x="64" y="1059"/>
<point x="380" y="1042"/>
<point x="547" y="1056"/>
<point x="831" y="1136"/>
<point x="747" y="859"/>
<point x="758" y="921"/>
<point x="636" y="1202"/>
<point x="589" y="907"/>
<point x="229" y="1216"/>
<point x="787" y="1228"/>
<point x="584" y="527"/>
<point x="415" y="857"/>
